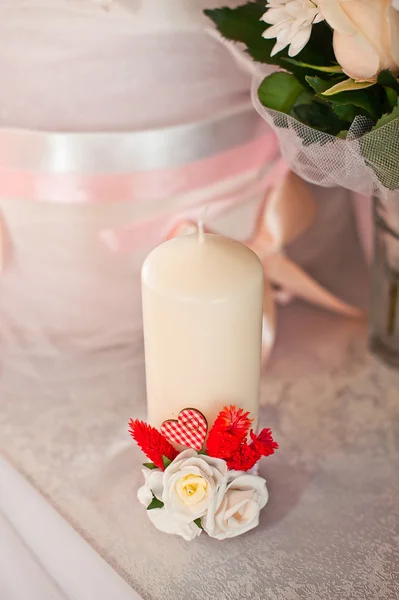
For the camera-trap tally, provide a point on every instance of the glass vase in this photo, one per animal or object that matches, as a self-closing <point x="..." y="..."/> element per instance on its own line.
<point x="384" y="319"/>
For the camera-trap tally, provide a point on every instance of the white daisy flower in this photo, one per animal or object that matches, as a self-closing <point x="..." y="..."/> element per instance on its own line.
<point x="291" y="23"/>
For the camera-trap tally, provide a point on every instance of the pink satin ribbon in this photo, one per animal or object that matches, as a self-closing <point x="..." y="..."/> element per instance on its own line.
<point x="146" y="186"/>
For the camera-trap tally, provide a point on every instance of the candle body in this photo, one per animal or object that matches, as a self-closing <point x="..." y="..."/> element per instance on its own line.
<point x="202" y="311"/>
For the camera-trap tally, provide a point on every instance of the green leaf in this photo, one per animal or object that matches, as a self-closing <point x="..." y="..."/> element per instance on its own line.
<point x="155" y="504"/>
<point x="342" y="135"/>
<point x="198" y="523"/>
<point x="392" y="97"/>
<point x="346" y="112"/>
<point x="388" y="80"/>
<point x="150" y="466"/>
<point x="280" y="91"/>
<point x="349" y="85"/>
<point x="241" y="24"/>
<point x="166" y="461"/>
<point x="387" y="118"/>
<point x="305" y="97"/>
<point x="368" y="100"/>
<point x="319" y="116"/>
<point x="317" y="84"/>
<point x="333" y="69"/>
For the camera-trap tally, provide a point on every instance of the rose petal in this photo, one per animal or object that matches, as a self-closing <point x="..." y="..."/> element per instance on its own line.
<point x="144" y="495"/>
<point x="189" y="463"/>
<point x="394" y="31"/>
<point x="336" y="17"/>
<point x="247" y="481"/>
<point x="164" y="522"/>
<point x="236" y="501"/>
<point x="155" y="483"/>
<point x="235" y="507"/>
<point x="184" y="456"/>
<point x="356" y="56"/>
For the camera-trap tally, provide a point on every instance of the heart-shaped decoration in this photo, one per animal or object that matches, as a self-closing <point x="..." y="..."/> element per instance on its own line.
<point x="189" y="430"/>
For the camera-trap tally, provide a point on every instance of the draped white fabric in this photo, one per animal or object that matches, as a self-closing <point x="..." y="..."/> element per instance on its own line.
<point x="72" y="65"/>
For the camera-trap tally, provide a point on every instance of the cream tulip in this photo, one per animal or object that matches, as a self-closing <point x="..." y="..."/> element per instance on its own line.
<point x="366" y="35"/>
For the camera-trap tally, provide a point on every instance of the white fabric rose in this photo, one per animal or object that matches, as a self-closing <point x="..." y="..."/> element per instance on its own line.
<point x="235" y="508"/>
<point x="186" y="488"/>
<point x="366" y="35"/>
<point x="159" y="517"/>
<point x="190" y="483"/>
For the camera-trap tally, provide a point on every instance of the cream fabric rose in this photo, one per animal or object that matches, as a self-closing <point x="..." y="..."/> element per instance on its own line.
<point x="160" y="517"/>
<point x="235" y="508"/>
<point x="366" y="35"/>
<point x="190" y="483"/>
<point x="186" y="488"/>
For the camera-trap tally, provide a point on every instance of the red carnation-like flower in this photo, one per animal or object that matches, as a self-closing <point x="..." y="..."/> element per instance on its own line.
<point x="244" y="459"/>
<point x="152" y="443"/>
<point x="264" y="443"/>
<point x="228" y="432"/>
<point x="248" y="455"/>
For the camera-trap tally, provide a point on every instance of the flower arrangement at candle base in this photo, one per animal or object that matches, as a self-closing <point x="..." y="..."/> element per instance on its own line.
<point x="326" y="81"/>
<point x="207" y="489"/>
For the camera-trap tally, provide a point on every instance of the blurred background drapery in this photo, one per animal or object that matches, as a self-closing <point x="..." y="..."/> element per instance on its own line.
<point x="85" y="71"/>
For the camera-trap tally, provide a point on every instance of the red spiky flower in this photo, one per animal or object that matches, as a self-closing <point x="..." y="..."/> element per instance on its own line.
<point x="152" y="443"/>
<point x="229" y="431"/>
<point x="247" y="455"/>
<point x="263" y="443"/>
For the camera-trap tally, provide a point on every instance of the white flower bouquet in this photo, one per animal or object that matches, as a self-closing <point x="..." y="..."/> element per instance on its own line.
<point x="331" y="94"/>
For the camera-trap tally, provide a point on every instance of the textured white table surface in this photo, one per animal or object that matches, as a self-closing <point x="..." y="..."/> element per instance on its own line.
<point x="331" y="529"/>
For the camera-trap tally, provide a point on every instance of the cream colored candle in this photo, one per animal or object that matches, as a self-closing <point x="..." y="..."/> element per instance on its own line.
<point x="202" y="309"/>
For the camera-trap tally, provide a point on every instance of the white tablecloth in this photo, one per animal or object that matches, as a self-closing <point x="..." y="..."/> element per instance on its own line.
<point x="41" y="556"/>
<point x="22" y="577"/>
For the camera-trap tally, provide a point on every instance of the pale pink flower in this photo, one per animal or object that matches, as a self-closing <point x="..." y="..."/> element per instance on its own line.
<point x="366" y="35"/>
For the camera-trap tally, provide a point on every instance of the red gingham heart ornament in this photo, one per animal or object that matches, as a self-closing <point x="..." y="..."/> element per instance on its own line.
<point x="189" y="430"/>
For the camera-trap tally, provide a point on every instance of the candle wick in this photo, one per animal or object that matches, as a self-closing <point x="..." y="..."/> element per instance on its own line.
<point x="201" y="225"/>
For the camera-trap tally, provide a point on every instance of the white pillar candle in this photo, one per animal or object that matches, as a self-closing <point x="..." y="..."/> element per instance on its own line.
<point x="202" y="310"/>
